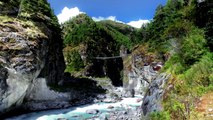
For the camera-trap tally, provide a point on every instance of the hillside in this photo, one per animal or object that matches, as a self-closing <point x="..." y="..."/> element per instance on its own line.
<point x="134" y="35"/>
<point x="181" y="36"/>
<point x="84" y="40"/>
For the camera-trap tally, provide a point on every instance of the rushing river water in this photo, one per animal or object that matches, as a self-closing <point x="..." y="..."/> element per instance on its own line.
<point x="79" y="112"/>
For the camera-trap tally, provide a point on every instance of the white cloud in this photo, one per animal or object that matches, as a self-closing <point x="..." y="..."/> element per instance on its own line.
<point x="138" y="23"/>
<point x="113" y="18"/>
<point x="68" y="13"/>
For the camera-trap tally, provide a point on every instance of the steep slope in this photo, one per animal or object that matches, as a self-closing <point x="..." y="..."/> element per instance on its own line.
<point x="175" y="34"/>
<point x="133" y="35"/>
<point x="9" y="7"/>
<point x="85" y="40"/>
<point x="30" y="50"/>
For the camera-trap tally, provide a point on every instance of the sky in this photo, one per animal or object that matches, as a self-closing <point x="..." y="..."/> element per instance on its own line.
<point x="131" y="12"/>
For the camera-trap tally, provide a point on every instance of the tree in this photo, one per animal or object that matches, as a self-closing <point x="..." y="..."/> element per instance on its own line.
<point x="9" y="7"/>
<point x="38" y="10"/>
<point x="204" y="19"/>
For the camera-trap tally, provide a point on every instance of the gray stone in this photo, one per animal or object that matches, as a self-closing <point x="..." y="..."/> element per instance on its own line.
<point x="152" y="99"/>
<point x="26" y="57"/>
<point x="92" y="111"/>
<point x="62" y="119"/>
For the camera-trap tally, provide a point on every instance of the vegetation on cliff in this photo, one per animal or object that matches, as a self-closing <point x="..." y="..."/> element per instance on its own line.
<point x="9" y="7"/>
<point x="85" y="39"/>
<point x="181" y="29"/>
<point x="30" y="51"/>
<point x="38" y="17"/>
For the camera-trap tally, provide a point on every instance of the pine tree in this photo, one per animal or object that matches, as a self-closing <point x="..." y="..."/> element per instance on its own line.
<point x="38" y="10"/>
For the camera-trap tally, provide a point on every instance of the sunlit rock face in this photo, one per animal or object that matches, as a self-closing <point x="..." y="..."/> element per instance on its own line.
<point x="154" y="95"/>
<point x="141" y="74"/>
<point x="140" y="69"/>
<point x="22" y="58"/>
<point x="41" y="97"/>
<point x="26" y="55"/>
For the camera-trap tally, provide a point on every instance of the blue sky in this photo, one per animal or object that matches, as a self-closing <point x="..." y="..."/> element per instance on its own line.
<point x="132" y="12"/>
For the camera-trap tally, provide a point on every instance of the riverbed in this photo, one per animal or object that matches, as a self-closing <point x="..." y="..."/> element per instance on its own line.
<point x="126" y="107"/>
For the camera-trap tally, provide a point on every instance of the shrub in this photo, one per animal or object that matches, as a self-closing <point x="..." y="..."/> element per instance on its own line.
<point x="163" y="115"/>
<point x="74" y="61"/>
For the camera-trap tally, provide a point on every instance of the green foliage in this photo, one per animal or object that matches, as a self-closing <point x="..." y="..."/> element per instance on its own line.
<point x="131" y="35"/>
<point x="38" y="10"/>
<point x="204" y="19"/>
<point x="82" y="29"/>
<point x="159" y="116"/>
<point x="187" y="49"/>
<point x="193" y="46"/>
<point x="98" y="39"/>
<point x="9" y="7"/>
<point x="177" y="108"/>
<point x="189" y="85"/>
<point x="79" y="30"/>
<point x="123" y="28"/>
<point x="200" y="73"/>
<point x="75" y="63"/>
<point x="168" y="23"/>
<point x="176" y="30"/>
<point x="120" y="38"/>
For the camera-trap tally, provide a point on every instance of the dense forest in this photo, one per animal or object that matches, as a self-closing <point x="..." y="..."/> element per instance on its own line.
<point x="181" y="30"/>
<point x="85" y="39"/>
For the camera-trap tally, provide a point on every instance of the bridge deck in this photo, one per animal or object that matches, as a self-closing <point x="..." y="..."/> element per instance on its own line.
<point x="105" y="58"/>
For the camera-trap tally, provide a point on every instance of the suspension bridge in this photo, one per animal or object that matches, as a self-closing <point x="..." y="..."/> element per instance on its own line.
<point x="111" y="57"/>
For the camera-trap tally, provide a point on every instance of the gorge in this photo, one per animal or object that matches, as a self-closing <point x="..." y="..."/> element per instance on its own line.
<point x="104" y="70"/>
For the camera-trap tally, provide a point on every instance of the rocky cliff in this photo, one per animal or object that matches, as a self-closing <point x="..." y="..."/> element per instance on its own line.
<point x="142" y="76"/>
<point x="140" y="69"/>
<point x="30" y="50"/>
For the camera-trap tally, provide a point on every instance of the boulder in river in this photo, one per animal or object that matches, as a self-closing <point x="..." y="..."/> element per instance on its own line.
<point x="110" y="107"/>
<point x="92" y="111"/>
<point x="62" y="119"/>
<point x="139" y="100"/>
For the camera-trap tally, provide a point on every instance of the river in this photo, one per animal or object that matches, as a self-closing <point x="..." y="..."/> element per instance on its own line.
<point x="96" y="111"/>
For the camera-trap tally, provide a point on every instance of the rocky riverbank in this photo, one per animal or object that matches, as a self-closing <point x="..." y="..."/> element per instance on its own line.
<point x="101" y="109"/>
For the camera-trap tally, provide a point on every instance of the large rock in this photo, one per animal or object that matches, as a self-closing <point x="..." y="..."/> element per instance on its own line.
<point x="22" y="58"/>
<point x="140" y="69"/>
<point x="92" y="111"/>
<point x="154" y="96"/>
<point x="41" y="97"/>
<point x="141" y="75"/>
<point x="28" y="53"/>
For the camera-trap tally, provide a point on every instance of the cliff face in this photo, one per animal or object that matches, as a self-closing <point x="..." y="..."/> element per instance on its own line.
<point x="141" y="74"/>
<point x="30" y="50"/>
<point x="140" y="69"/>
<point x="9" y="7"/>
